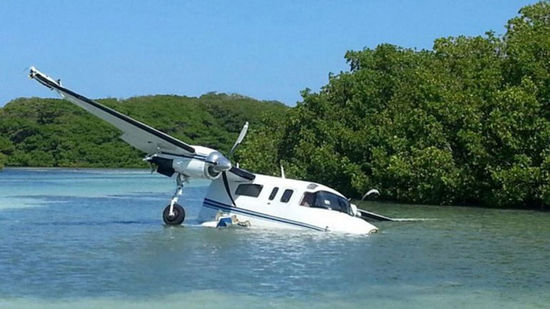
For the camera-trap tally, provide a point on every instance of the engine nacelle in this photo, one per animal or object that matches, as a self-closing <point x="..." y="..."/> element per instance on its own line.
<point x="209" y="167"/>
<point x="195" y="168"/>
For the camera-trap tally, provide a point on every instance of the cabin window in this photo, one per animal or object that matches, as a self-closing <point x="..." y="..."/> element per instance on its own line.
<point x="273" y="193"/>
<point x="286" y="195"/>
<point x="248" y="189"/>
<point x="327" y="200"/>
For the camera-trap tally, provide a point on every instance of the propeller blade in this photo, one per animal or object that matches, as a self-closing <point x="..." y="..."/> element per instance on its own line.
<point x="242" y="173"/>
<point x="240" y="138"/>
<point x="371" y="191"/>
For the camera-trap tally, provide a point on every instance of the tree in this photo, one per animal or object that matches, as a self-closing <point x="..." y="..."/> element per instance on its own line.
<point x="464" y="123"/>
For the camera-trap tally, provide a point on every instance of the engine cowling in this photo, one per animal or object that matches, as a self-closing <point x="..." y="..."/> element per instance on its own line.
<point x="209" y="167"/>
<point x="195" y="168"/>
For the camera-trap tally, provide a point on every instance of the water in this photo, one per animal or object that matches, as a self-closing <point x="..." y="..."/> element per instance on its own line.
<point x="95" y="238"/>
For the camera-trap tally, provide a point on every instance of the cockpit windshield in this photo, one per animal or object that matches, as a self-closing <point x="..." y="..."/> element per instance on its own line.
<point x="327" y="200"/>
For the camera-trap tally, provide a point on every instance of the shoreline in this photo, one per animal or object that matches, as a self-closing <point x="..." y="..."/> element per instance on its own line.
<point x="356" y="201"/>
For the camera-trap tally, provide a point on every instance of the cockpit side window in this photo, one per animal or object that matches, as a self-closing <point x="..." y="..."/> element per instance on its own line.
<point x="273" y="193"/>
<point x="286" y="195"/>
<point x="249" y="189"/>
<point x="308" y="199"/>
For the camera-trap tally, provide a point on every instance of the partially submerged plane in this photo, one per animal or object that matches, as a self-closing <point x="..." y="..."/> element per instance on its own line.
<point x="235" y="196"/>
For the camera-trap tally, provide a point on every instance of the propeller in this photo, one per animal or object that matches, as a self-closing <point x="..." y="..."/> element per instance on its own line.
<point x="240" y="138"/>
<point x="220" y="163"/>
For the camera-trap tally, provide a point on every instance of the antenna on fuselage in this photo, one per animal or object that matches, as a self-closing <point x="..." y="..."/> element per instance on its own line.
<point x="282" y="172"/>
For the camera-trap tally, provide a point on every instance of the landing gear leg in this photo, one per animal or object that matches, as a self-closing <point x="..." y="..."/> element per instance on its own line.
<point x="174" y="214"/>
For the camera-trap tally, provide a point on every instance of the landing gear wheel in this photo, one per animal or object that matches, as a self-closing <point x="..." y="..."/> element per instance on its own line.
<point x="176" y="218"/>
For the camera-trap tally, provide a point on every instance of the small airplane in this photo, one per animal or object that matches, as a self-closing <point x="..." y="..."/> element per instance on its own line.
<point x="235" y="197"/>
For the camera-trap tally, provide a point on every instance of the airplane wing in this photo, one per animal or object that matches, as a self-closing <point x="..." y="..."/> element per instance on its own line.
<point x="135" y="133"/>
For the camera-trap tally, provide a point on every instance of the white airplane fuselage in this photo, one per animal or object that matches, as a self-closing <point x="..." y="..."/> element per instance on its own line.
<point x="273" y="208"/>
<point x="267" y="201"/>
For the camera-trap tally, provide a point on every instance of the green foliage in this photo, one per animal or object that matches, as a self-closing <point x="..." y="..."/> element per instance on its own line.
<point x="465" y="123"/>
<point x="6" y="148"/>
<point x="528" y="49"/>
<point x="52" y="132"/>
<point x="544" y="188"/>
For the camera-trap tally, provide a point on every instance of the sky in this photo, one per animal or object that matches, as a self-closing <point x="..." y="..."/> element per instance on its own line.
<point x="268" y="50"/>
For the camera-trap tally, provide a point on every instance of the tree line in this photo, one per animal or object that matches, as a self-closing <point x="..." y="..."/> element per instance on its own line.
<point x="55" y="133"/>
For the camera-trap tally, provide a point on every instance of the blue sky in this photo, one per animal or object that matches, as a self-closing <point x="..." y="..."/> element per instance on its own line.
<point x="262" y="49"/>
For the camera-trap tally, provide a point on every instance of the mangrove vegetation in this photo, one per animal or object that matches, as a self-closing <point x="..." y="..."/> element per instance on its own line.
<point x="467" y="122"/>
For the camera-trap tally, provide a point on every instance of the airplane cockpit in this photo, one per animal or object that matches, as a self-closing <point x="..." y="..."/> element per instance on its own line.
<point x="326" y="200"/>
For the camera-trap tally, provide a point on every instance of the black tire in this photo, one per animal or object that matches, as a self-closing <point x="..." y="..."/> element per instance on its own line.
<point x="177" y="218"/>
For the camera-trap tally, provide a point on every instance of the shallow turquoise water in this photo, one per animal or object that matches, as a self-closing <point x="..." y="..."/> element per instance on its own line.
<point x="95" y="238"/>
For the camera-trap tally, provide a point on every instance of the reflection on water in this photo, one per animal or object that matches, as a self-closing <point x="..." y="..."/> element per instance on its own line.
<point x="96" y="239"/>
